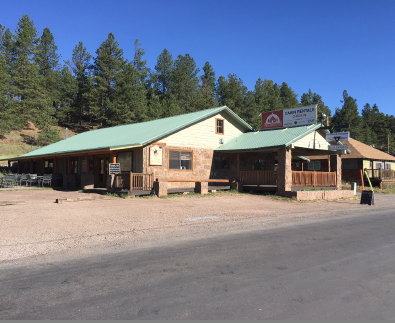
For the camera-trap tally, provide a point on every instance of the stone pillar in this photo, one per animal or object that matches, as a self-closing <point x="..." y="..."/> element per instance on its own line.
<point x="201" y="187"/>
<point x="160" y="188"/>
<point x="336" y="166"/>
<point x="284" y="173"/>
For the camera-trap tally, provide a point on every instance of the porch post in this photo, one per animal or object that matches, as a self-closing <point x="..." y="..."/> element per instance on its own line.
<point x="336" y="166"/>
<point x="43" y="166"/>
<point x="31" y="166"/>
<point x="87" y="163"/>
<point x="19" y="167"/>
<point x="114" y="157"/>
<point x="68" y="165"/>
<point x="284" y="173"/>
<point x="238" y="166"/>
<point x="55" y="165"/>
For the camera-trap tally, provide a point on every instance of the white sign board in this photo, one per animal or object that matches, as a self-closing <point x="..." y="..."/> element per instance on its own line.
<point x="290" y="117"/>
<point x="300" y="116"/>
<point x="338" y="136"/>
<point x="337" y="147"/>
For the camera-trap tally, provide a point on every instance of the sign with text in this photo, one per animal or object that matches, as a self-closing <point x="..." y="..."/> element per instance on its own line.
<point x="114" y="168"/>
<point x="290" y="117"/>
<point x="338" y="136"/>
<point x="337" y="147"/>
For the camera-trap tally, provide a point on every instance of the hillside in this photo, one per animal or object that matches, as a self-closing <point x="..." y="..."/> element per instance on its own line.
<point x="21" y="142"/>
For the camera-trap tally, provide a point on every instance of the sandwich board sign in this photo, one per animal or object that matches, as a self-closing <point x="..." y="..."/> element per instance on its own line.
<point x="290" y="117"/>
<point x="338" y="136"/>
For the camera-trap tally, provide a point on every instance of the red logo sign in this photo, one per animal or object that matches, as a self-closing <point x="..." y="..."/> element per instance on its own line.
<point x="272" y="119"/>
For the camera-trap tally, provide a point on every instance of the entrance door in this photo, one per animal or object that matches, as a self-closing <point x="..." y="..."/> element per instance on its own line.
<point x="101" y="165"/>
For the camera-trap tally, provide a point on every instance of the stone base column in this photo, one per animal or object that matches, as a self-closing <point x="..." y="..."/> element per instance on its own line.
<point x="336" y="166"/>
<point x="160" y="188"/>
<point x="284" y="173"/>
<point x="201" y="187"/>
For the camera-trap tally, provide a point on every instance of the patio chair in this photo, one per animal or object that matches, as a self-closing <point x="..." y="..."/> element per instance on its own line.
<point x="9" y="180"/>
<point x="32" y="179"/>
<point x="47" y="179"/>
<point x="18" y="178"/>
<point x="23" y="179"/>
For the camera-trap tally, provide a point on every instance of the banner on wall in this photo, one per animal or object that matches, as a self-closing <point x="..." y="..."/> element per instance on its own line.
<point x="290" y="117"/>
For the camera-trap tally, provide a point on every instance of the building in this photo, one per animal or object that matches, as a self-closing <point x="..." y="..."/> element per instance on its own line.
<point x="208" y="145"/>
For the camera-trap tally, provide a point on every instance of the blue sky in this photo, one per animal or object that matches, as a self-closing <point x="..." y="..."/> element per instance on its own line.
<point x="327" y="46"/>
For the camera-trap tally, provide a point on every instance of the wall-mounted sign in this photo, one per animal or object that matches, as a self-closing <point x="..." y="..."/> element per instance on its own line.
<point x="290" y="117"/>
<point x="156" y="155"/>
<point x="337" y="147"/>
<point x="114" y="168"/>
<point x="338" y="136"/>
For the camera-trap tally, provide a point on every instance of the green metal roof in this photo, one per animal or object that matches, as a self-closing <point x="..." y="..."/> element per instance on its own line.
<point x="137" y="134"/>
<point x="264" y="139"/>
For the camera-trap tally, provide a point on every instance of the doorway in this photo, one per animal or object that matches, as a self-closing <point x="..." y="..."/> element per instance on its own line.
<point x="101" y="166"/>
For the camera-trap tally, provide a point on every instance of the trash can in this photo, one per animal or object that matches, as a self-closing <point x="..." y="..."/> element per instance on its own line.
<point x="354" y="187"/>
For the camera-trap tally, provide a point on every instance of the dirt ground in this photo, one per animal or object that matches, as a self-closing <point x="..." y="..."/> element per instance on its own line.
<point x="41" y="226"/>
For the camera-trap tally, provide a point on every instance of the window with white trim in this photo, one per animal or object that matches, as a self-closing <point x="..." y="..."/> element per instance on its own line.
<point x="180" y="160"/>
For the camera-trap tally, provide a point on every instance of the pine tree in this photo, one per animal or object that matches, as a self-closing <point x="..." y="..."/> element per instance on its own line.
<point x="48" y="65"/>
<point x="311" y="98"/>
<point x="184" y="83"/>
<point x="163" y="71"/>
<point x="67" y="93"/>
<point x="27" y="84"/>
<point x="207" y="97"/>
<point x="288" y="97"/>
<point x="79" y="65"/>
<point x="348" y="114"/>
<point x="107" y="65"/>
<point x="231" y="92"/>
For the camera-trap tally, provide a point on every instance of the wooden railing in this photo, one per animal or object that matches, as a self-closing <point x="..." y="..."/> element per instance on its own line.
<point x="378" y="173"/>
<point x="258" y="177"/>
<point x="387" y="174"/>
<point x="313" y="178"/>
<point x="141" y="181"/>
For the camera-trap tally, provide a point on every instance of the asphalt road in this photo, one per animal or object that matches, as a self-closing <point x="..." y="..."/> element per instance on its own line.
<point x="335" y="269"/>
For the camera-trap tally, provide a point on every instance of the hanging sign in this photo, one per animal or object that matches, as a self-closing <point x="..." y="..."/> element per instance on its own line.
<point x="290" y="117"/>
<point x="337" y="147"/>
<point x="338" y="136"/>
<point x="156" y="155"/>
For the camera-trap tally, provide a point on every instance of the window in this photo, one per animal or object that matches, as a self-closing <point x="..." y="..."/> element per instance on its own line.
<point x="315" y="165"/>
<point x="387" y="165"/>
<point x="74" y="166"/>
<point x="125" y="159"/>
<point x="219" y="126"/>
<point x="379" y="165"/>
<point x="221" y="163"/>
<point x="180" y="160"/>
<point x="350" y="164"/>
<point x="259" y="164"/>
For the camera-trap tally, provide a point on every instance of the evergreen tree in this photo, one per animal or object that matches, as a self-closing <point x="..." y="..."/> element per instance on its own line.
<point x="78" y="65"/>
<point x="107" y="66"/>
<point x="207" y="97"/>
<point x="68" y="90"/>
<point x="252" y="115"/>
<point x="231" y="92"/>
<point x="348" y="114"/>
<point x="184" y="83"/>
<point x="48" y="65"/>
<point x="288" y="97"/>
<point x="311" y="98"/>
<point x="163" y="71"/>
<point x="27" y="84"/>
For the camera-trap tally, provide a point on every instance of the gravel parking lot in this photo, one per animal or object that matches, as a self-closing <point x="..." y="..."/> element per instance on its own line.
<point x="88" y="222"/>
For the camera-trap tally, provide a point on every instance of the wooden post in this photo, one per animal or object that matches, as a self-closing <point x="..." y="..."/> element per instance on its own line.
<point x="19" y="167"/>
<point x="238" y="166"/>
<point x="31" y="166"/>
<point x="131" y="182"/>
<point x="55" y="165"/>
<point x="114" y="157"/>
<point x="329" y="163"/>
<point x="43" y="167"/>
<point x="9" y="164"/>
<point x="87" y="164"/>
<point x="68" y="165"/>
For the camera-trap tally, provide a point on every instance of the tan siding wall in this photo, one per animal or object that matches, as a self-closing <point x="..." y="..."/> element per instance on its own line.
<point x="316" y="138"/>
<point x="366" y="164"/>
<point x="202" y="134"/>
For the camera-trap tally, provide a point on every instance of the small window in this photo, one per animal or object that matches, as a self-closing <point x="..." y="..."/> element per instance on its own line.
<point x="315" y="165"/>
<point x="219" y="126"/>
<point x="259" y="164"/>
<point x="180" y="160"/>
<point x="387" y="165"/>
<point x="221" y="163"/>
<point x="350" y="164"/>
